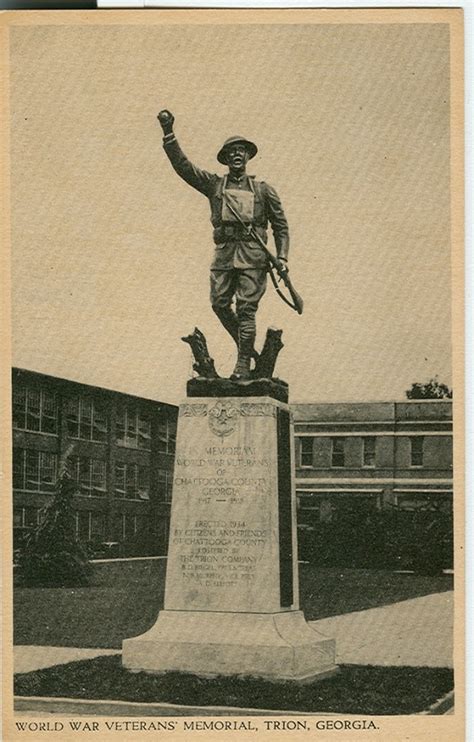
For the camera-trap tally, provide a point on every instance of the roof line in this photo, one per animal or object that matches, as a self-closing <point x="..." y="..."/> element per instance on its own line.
<point x="91" y="386"/>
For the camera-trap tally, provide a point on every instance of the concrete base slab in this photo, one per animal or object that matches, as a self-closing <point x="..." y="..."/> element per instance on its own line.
<point x="277" y="646"/>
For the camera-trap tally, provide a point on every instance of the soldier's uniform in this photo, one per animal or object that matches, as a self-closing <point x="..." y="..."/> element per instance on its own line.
<point x="239" y="265"/>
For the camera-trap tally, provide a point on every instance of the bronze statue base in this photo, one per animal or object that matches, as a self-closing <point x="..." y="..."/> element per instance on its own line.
<point x="264" y="364"/>
<point x="203" y="387"/>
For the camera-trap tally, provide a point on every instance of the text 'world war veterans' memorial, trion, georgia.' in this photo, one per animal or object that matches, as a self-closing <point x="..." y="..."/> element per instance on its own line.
<point x="231" y="596"/>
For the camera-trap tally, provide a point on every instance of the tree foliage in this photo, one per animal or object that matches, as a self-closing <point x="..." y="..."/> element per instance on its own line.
<point x="51" y="554"/>
<point x="431" y="389"/>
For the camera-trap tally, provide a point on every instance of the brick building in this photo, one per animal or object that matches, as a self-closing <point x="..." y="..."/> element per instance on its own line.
<point x="121" y="453"/>
<point x="355" y="460"/>
<point x="361" y="457"/>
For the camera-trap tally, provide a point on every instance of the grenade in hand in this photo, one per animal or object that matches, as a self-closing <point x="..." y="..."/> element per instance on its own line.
<point x="166" y="120"/>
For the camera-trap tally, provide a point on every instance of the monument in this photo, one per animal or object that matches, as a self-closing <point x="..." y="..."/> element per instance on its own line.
<point x="231" y="595"/>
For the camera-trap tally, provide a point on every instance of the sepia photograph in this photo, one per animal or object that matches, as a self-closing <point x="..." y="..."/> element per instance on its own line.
<point x="233" y="464"/>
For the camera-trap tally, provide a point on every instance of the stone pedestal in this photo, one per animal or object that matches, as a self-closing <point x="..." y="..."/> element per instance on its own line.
<point x="231" y="594"/>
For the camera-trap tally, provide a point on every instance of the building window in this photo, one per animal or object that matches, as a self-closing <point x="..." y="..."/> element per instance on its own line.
<point x="426" y="502"/>
<point x="306" y="455"/>
<point x="34" y="471"/>
<point x="35" y="410"/>
<point x="26" y="517"/>
<point x="165" y="484"/>
<point x="416" y="451"/>
<point x="86" y="419"/>
<point x="133" y="429"/>
<point x="125" y="526"/>
<point x="337" y="453"/>
<point x="368" y="455"/>
<point x="90" y="525"/>
<point x="132" y="481"/>
<point x="167" y="436"/>
<point x="326" y="510"/>
<point x="90" y="475"/>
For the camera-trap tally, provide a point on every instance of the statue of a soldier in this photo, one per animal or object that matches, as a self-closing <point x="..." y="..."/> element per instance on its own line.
<point x="241" y="208"/>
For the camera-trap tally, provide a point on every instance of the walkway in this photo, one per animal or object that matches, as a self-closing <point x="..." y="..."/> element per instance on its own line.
<point x="416" y="632"/>
<point x="27" y="658"/>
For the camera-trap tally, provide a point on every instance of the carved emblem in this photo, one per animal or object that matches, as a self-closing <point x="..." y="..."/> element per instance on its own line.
<point x="193" y="410"/>
<point x="257" y="409"/>
<point x="223" y="418"/>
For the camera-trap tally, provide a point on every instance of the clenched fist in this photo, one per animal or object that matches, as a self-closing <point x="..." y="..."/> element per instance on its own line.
<point x="166" y="120"/>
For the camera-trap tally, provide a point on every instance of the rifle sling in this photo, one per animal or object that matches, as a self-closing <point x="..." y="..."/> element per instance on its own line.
<point x="258" y="239"/>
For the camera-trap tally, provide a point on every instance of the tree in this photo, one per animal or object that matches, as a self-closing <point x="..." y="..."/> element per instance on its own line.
<point x="431" y="389"/>
<point x="51" y="554"/>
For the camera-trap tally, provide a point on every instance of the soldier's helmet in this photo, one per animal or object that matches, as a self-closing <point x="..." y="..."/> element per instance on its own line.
<point x="250" y="147"/>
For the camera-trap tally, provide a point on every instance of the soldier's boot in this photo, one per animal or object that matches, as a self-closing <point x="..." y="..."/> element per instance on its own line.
<point x="245" y="354"/>
<point x="230" y="322"/>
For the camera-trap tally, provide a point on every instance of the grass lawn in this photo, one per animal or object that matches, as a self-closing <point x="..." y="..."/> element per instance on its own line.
<point x="125" y="598"/>
<point x="354" y="690"/>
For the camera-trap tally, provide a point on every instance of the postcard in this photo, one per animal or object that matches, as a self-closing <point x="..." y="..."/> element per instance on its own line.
<point x="233" y="383"/>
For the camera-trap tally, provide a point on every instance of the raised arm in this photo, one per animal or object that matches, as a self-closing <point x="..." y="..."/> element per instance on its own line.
<point x="194" y="176"/>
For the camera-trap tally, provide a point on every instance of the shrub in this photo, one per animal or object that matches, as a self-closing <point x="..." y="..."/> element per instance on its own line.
<point x="51" y="555"/>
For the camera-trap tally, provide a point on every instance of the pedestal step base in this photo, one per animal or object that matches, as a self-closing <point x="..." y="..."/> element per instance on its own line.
<point x="277" y="646"/>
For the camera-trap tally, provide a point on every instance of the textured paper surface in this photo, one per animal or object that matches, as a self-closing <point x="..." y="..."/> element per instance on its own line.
<point x="358" y="119"/>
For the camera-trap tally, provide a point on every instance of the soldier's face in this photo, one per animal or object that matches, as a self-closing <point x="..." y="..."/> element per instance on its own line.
<point x="237" y="156"/>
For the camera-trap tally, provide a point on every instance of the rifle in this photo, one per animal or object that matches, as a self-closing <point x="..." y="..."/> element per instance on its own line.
<point x="296" y="302"/>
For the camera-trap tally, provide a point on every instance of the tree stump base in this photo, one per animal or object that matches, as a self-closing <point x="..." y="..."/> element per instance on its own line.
<point x="208" y="383"/>
<point x="204" y="364"/>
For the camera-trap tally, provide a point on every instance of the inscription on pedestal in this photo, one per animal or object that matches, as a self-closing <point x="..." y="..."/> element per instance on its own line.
<point x="223" y="552"/>
<point x="220" y="553"/>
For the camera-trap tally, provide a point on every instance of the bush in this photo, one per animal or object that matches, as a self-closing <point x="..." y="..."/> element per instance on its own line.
<point x="51" y="556"/>
<point x="388" y="539"/>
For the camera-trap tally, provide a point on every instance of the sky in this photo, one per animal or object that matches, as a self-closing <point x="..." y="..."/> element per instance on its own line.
<point x="111" y="250"/>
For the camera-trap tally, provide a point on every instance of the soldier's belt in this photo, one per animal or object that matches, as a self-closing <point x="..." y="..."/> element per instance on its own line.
<point x="235" y="232"/>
